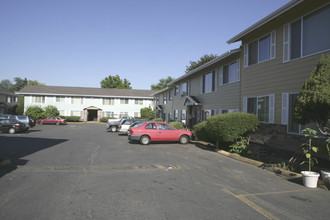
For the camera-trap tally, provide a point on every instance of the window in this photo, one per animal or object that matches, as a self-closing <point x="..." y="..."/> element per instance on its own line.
<point x="262" y="106"/>
<point x="136" y="114"/>
<point x="230" y="73"/>
<point x="207" y="113"/>
<point x="38" y="99"/>
<point x="223" y="111"/>
<point x="164" y="126"/>
<point x="60" y="99"/>
<point x="208" y="82"/>
<point x="150" y="126"/>
<point x="165" y="98"/>
<point x="184" y="89"/>
<point x="307" y="35"/>
<point x="138" y="101"/>
<point x="122" y="114"/>
<point x="288" y="102"/>
<point x="108" y="114"/>
<point x="77" y="100"/>
<point x="76" y="113"/>
<point x="176" y="90"/>
<point x="183" y="114"/>
<point x="175" y="115"/>
<point x="124" y="101"/>
<point x="9" y="99"/>
<point x="260" y="50"/>
<point x="107" y="101"/>
<point x="169" y="95"/>
<point x="61" y="112"/>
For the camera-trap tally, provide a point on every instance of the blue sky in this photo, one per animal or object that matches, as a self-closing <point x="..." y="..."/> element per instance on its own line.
<point x="80" y="42"/>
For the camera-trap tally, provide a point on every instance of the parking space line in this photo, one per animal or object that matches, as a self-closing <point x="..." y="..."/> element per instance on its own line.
<point x="252" y="205"/>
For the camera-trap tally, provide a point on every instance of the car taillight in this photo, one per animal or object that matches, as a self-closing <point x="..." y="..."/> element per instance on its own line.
<point x="18" y="125"/>
<point x="131" y="131"/>
<point x="120" y="127"/>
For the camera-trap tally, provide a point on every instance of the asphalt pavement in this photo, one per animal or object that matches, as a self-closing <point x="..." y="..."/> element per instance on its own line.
<point x="80" y="171"/>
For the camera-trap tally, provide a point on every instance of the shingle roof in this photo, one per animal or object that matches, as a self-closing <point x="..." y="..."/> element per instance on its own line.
<point x="6" y="92"/>
<point x="84" y="91"/>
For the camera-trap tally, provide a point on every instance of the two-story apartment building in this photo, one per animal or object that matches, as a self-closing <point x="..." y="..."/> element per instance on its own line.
<point x="213" y="88"/>
<point x="88" y="103"/>
<point x="7" y="100"/>
<point x="265" y="75"/>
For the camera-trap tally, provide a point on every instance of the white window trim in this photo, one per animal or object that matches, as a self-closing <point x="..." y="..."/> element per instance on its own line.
<point x="237" y="73"/>
<point x="271" y="107"/>
<point x="287" y="33"/>
<point x="272" y="46"/>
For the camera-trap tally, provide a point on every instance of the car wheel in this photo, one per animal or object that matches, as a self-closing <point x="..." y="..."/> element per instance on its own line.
<point x="184" y="139"/>
<point x="12" y="131"/>
<point x="41" y="123"/>
<point x="145" y="140"/>
<point x="113" y="128"/>
<point x="57" y="123"/>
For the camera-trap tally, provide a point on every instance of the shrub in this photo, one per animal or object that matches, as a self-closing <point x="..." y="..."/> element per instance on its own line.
<point x="35" y="111"/>
<point x="51" y="111"/>
<point x="71" y="118"/>
<point x="201" y="132"/>
<point x="230" y="128"/>
<point x="178" y="125"/>
<point x="158" y="119"/>
<point x="147" y="113"/>
<point x="105" y="119"/>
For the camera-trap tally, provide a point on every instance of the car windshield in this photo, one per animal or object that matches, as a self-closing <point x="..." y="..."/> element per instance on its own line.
<point x="21" y="117"/>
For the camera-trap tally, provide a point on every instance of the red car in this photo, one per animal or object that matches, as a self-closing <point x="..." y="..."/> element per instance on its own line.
<point x="158" y="131"/>
<point x="52" y="120"/>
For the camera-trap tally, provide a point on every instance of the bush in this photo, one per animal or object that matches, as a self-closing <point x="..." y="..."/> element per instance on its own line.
<point x="178" y="125"/>
<point x="147" y="113"/>
<point x="158" y="119"/>
<point x="227" y="128"/>
<point x="51" y="111"/>
<point x="35" y="111"/>
<point x="202" y="133"/>
<point x="71" y="118"/>
<point x="105" y="119"/>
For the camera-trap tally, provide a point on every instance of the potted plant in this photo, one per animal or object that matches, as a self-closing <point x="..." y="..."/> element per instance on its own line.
<point x="310" y="178"/>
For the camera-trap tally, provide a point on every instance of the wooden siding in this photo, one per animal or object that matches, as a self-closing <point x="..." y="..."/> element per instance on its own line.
<point x="274" y="76"/>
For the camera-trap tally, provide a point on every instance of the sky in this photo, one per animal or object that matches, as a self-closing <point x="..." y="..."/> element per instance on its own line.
<point x="80" y="42"/>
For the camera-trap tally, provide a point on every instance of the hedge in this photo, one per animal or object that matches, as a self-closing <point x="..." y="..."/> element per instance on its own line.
<point x="71" y="118"/>
<point x="105" y="119"/>
<point x="158" y="119"/>
<point x="178" y="125"/>
<point x="226" y="128"/>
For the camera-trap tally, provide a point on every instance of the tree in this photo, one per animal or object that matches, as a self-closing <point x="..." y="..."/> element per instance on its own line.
<point x="115" y="82"/>
<point x="20" y="105"/>
<point x="204" y="59"/>
<point x="162" y="84"/>
<point x="51" y="111"/>
<point x="35" y="111"/>
<point x="35" y="83"/>
<point x="7" y="85"/>
<point x="20" y="83"/>
<point x="313" y="102"/>
<point x="147" y="113"/>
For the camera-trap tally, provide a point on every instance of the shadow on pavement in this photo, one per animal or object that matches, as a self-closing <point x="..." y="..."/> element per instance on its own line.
<point x="16" y="148"/>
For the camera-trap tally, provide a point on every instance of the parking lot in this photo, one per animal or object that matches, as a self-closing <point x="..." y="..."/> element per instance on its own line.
<point x="80" y="171"/>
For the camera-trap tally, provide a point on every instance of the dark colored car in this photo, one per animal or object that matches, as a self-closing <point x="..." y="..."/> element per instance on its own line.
<point x="158" y="131"/>
<point x="52" y="120"/>
<point x="11" y="126"/>
<point x="28" y="120"/>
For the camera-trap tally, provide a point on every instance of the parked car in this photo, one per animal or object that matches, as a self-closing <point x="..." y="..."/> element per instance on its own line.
<point x="126" y="124"/>
<point x="52" y="120"/>
<point x="28" y="120"/>
<point x="11" y="126"/>
<point x="158" y="131"/>
<point x="114" y="124"/>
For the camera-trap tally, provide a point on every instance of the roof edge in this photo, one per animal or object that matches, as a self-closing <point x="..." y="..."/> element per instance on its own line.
<point x="265" y="20"/>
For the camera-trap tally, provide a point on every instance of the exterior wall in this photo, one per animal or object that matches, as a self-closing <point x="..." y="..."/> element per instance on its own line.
<point x="97" y="102"/>
<point x="5" y="106"/>
<point x="167" y="109"/>
<point x="275" y="76"/>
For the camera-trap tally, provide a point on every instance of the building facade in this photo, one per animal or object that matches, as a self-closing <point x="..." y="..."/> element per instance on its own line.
<point x="7" y="101"/>
<point x="88" y="103"/>
<point x="263" y="77"/>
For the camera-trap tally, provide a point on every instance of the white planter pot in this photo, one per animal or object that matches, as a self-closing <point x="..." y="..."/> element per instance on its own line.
<point x="324" y="173"/>
<point x="310" y="179"/>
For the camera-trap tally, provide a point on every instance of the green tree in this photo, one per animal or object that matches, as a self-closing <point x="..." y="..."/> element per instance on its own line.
<point x="115" y="82"/>
<point x="51" y="111"/>
<point x="20" y="105"/>
<point x="35" y="111"/>
<point x="204" y="59"/>
<point x="162" y="84"/>
<point x="7" y="85"/>
<point x="313" y="102"/>
<point x="20" y="83"/>
<point x="147" y="113"/>
<point x="35" y="83"/>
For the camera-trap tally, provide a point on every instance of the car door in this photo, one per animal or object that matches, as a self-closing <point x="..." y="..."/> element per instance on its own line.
<point x="4" y="125"/>
<point x="167" y="132"/>
<point x="152" y="131"/>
